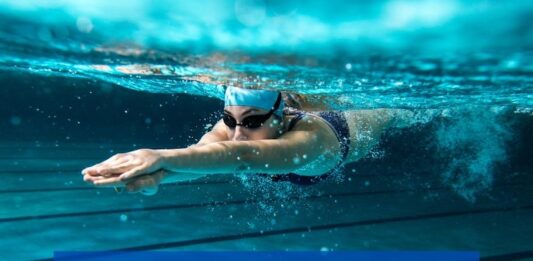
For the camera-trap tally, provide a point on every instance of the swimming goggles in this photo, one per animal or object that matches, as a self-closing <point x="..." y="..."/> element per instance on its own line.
<point x="251" y="122"/>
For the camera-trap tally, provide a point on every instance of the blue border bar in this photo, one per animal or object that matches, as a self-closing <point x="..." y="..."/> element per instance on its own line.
<point x="267" y="256"/>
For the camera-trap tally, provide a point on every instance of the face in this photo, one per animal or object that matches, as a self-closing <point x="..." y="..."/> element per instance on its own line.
<point x="270" y="129"/>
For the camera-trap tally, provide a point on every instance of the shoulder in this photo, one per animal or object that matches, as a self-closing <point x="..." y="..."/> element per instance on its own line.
<point x="308" y="121"/>
<point x="314" y="124"/>
<point x="319" y="141"/>
<point x="219" y="128"/>
<point x="216" y="134"/>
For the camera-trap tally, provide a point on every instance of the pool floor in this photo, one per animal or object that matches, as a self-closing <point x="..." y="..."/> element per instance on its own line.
<point x="46" y="207"/>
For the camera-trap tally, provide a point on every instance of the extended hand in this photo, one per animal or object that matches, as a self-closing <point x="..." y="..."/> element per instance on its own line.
<point x="145" y="184"/>
<point x="123" y="166"/>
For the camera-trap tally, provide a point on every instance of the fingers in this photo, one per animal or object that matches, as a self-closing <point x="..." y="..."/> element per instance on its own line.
<point x="133" y="172"/>
<point x="97" y="169"/>
<point x="113" y="180"/>
<point x="93" y="168"/>
<point x="113" y="161"/>
<point x="124" y="172"/>
<point x="108" y="182"/>
<point x="90" y="179"/>
<point x="119" y="169"/>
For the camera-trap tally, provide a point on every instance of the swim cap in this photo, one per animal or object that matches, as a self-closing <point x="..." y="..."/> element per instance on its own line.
<point x="261" y="99"/>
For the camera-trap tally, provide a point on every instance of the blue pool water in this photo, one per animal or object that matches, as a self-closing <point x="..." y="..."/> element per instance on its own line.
<point x="83" y="80"/>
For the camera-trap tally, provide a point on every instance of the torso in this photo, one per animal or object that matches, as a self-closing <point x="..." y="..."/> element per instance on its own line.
<point x="320" y="166"/>
<point x="359" y="144"/>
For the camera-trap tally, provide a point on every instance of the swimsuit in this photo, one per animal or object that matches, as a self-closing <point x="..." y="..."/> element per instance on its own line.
<point x="337" y="122"/>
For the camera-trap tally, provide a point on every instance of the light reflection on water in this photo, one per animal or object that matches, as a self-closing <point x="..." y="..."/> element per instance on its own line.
<point x="423" y="54"/>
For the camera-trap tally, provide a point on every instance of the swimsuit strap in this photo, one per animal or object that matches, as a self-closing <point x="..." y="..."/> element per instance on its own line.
<point x="297" y="118"/>
<point x="338" y="123"/>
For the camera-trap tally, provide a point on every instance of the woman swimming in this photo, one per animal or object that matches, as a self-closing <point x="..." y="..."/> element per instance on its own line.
<point x="256" y="134"/>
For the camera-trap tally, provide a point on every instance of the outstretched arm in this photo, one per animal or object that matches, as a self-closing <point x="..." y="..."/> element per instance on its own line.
<point x="309" y="142"/>
<point x="273" y="156"/>
<point x="100" y="174"/>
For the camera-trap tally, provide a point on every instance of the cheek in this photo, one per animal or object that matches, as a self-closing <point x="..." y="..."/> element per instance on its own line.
<point x="230" y="133"/>
<point x="263" y="133"/>
<point x="259" y="134"/>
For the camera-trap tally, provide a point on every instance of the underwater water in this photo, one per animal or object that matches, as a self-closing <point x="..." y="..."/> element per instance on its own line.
<point x="83" y="80"/>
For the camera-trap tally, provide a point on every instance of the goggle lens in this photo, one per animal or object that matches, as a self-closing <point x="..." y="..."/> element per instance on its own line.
<point x="250" y="122"/>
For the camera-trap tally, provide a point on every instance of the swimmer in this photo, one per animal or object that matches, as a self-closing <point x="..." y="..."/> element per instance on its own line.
<point x="257" y="134"/>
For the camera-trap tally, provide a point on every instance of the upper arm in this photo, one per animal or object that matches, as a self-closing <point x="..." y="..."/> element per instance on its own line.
<point x="308" y="149"/>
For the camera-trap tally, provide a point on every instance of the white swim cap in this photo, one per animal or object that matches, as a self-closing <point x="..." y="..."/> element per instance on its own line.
<point x="261" y="99"/>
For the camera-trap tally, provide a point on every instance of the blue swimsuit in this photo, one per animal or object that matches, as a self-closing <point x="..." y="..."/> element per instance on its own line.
<point x="337" y="121"/>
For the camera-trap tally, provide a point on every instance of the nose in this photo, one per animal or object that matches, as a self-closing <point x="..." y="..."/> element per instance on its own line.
<point x="239" y="134"/>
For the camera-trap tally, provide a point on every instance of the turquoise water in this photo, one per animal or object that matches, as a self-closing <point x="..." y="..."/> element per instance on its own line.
<point x="83" y="80"/>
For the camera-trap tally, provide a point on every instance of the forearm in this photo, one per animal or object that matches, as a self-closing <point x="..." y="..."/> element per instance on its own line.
<point x="231" y="157"/>
<point x="173" y="177"/>
<point x="207" y="159"/>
